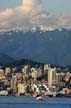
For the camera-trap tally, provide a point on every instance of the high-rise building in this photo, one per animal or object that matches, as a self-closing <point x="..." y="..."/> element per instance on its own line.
<point x="7" y="70"/>
<point x="1" y="73"/>
<point x="51" y="76"/>
<point x="46" y="66"/>
<point x="14" y="83"/>
<point x="21" y="89"/>
<point x="35" y="74"/>
<point x="58" y="77"/>
<point x="26" y="69"/>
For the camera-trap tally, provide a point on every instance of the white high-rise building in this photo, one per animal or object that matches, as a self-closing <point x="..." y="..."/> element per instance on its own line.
<point x="46" y="66"/>
<point x="25" y="69"/>
<point x="36" y="73"/>
<point x="51" y="76"/>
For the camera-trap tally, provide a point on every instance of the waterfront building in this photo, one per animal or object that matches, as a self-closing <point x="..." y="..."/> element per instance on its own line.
<point x="35" y="74"/>
<point x="14" y="69"/>
<point x="67" y="76"/>
<point x="21" y="89"/>
<point x="51" y="76"/>
<point x="46" y="66"/>
<point x="39" y="72"/>
<point x="7" y="70"/>
<point x="25" y="69"/>
<point x="58" y="77"/>
<point x="14" y="83"/>
<point x="62" y="75"/>
<point x="19" y="75"/>
<point x="1" y="73"/>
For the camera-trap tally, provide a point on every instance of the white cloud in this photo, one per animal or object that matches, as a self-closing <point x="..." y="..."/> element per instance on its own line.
<point x="29" y="14"/>
<point x="20" y="16"/>
<point x="27" y="5"/>
<point x="65" y="21"/>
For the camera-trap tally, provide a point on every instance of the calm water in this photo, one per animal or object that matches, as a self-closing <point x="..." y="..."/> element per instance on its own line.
<point x="29" y="102"/>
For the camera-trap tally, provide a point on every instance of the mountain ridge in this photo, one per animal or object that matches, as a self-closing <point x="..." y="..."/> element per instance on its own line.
<point x="5" y="59"/>
<point x="52" y="47"/>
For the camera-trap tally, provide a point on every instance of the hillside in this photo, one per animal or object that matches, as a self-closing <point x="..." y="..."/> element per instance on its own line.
<point x="53" y="47"/>
<point x="5" y="59"/>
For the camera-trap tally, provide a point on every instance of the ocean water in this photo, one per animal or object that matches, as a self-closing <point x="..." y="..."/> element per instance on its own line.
<point x="30" y="102"/>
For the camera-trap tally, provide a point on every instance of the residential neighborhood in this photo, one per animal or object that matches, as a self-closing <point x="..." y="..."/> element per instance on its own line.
<point x="35" y="80"/>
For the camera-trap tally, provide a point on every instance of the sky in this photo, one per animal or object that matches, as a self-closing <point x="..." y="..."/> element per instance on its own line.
<point x="29" y="13"/>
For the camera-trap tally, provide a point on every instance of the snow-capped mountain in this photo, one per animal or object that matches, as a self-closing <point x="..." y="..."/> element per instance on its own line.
<point x="46" y="46"/>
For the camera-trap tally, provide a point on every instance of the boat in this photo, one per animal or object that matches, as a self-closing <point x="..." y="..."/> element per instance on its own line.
<point x="39" y="98"/>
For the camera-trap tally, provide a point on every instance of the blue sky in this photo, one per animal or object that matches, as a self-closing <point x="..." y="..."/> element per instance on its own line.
<point x="59" y="6"/>
<point x="53" y="6"/>
<point x="26" y="14"/>
<point x="8" y="4"/>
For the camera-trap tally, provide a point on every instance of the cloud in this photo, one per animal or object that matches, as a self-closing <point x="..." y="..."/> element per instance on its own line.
<point x="21" y="16"/>
<point x="65" y="21"/>
<point x="29" y="14"/>
<point x="27" y="5"/>
<point x="46" y="20"/>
